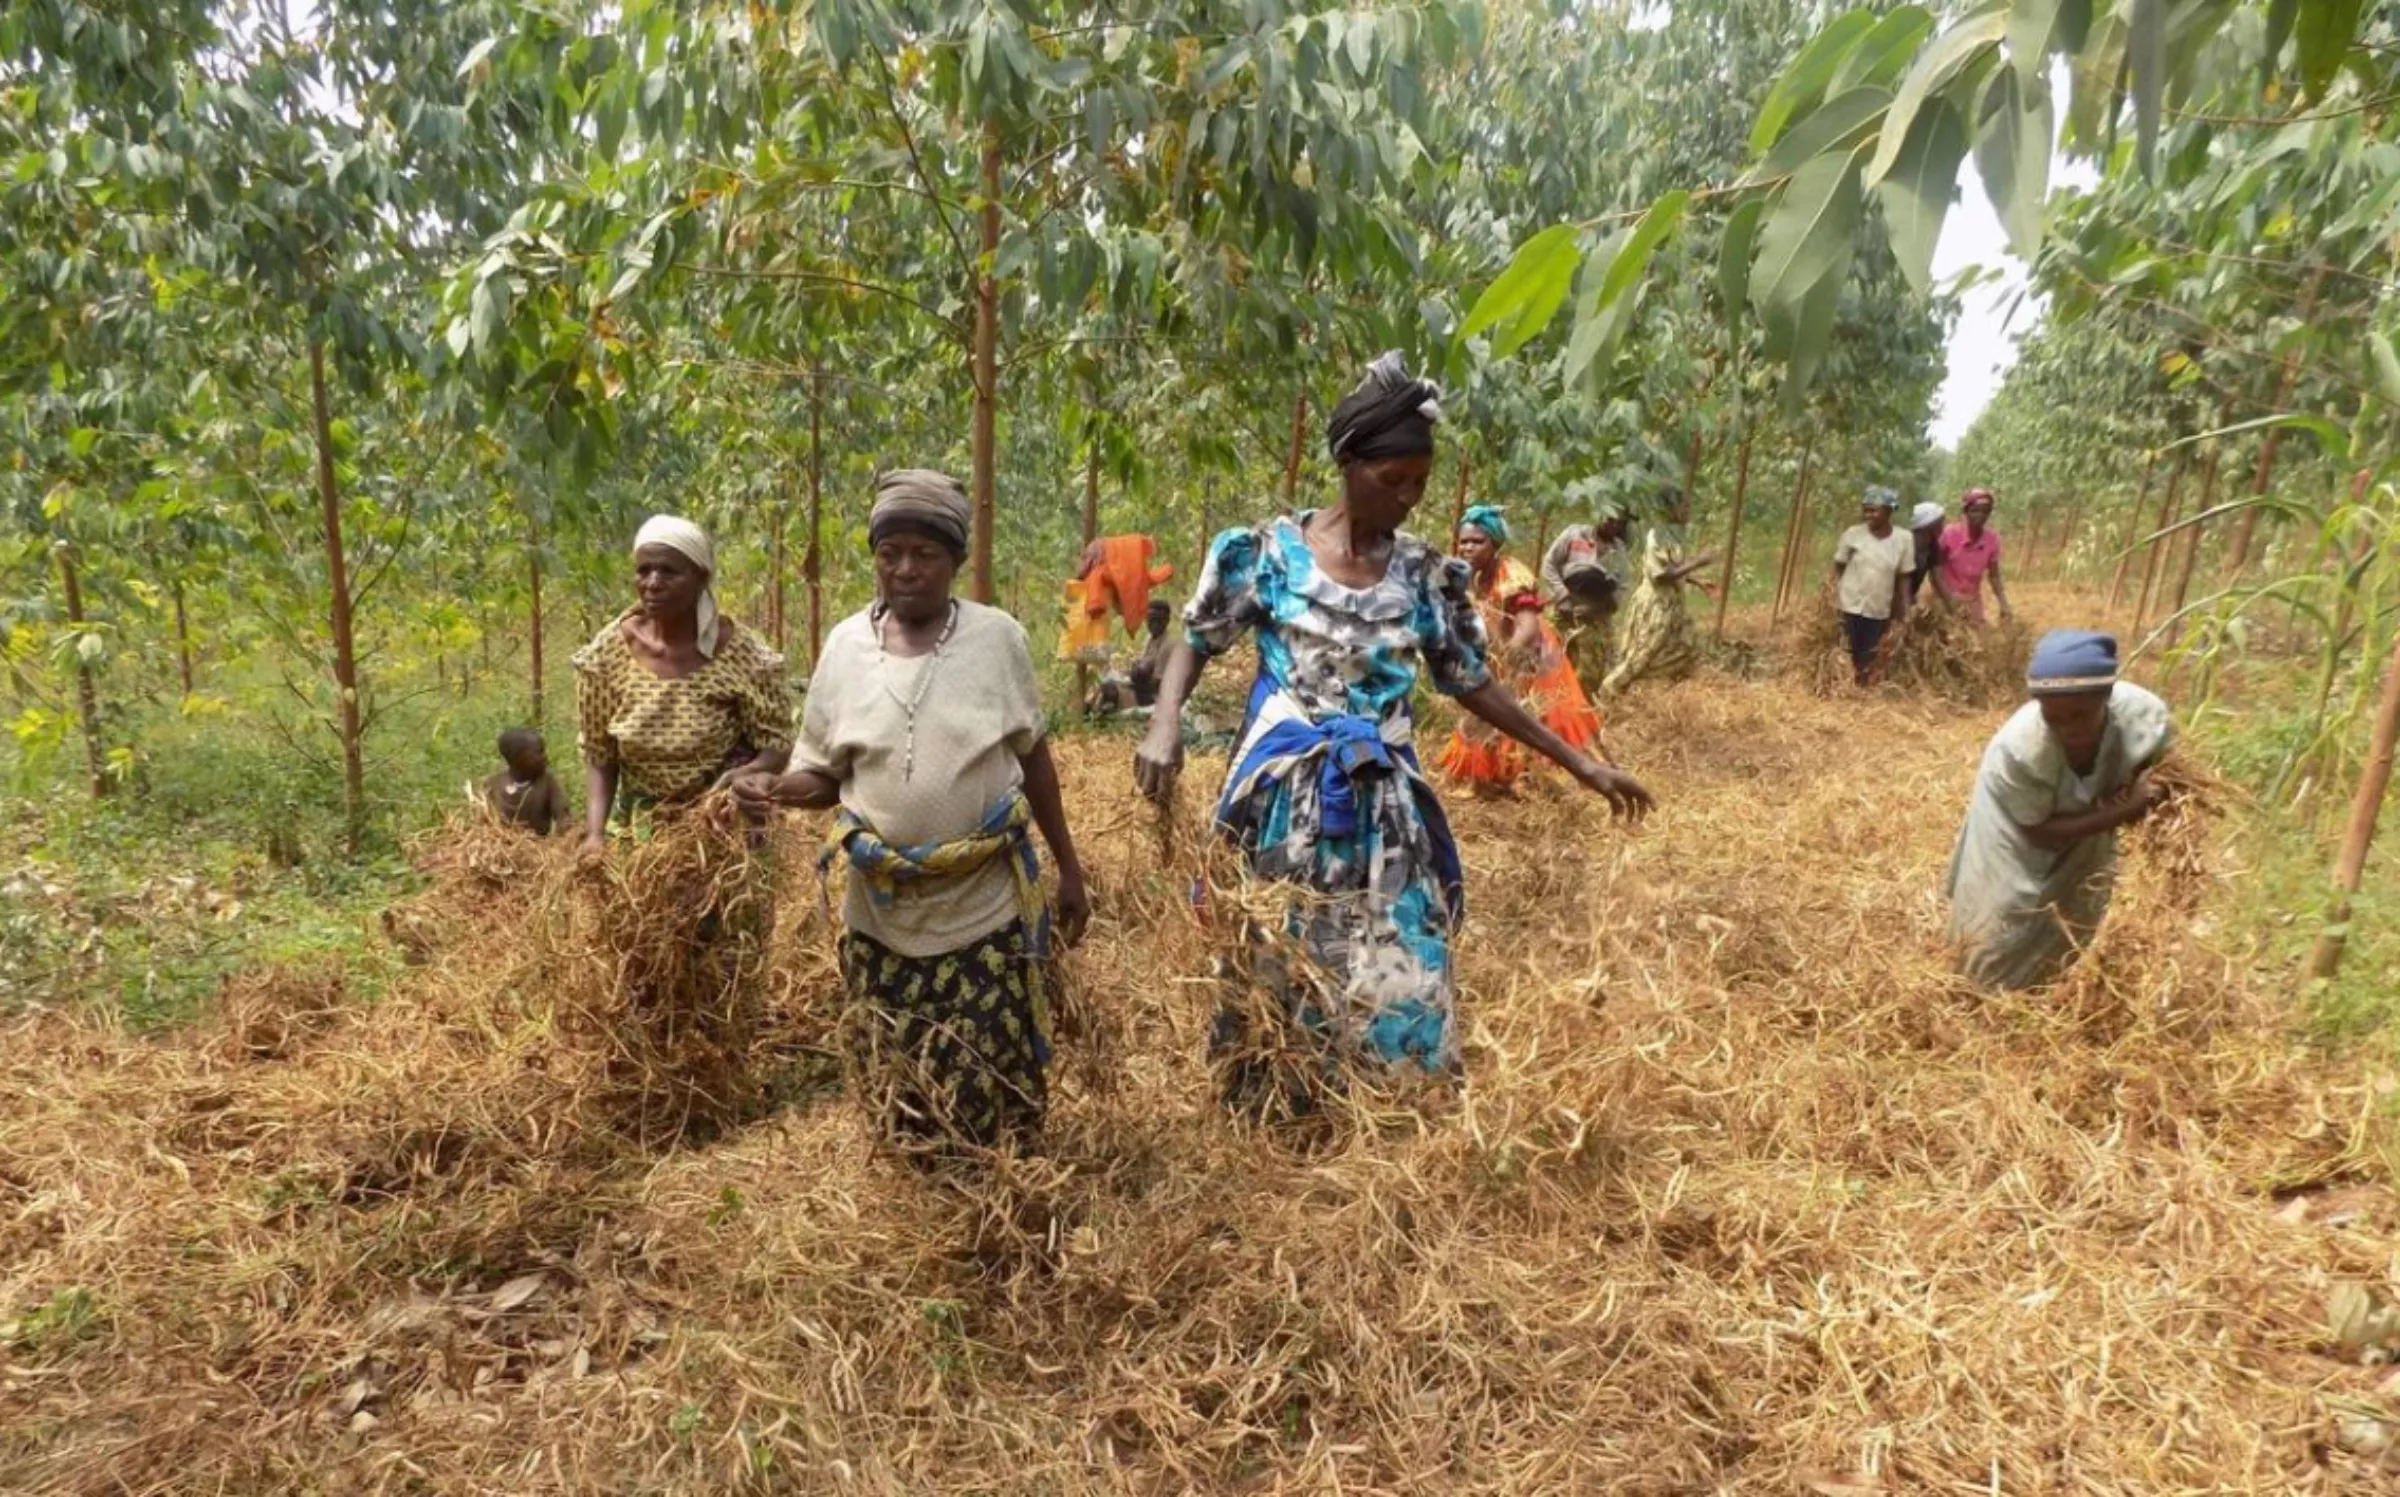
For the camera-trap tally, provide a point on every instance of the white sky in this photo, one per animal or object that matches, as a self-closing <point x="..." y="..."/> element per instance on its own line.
<point x="1984" y="343"/>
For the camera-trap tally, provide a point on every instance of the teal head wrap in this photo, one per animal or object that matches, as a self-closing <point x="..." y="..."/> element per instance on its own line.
<point x="1487" y="518"/>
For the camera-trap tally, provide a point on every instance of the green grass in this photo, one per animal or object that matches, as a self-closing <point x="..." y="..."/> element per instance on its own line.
<point x="2258" y="727"/>
<point x="223" y="850"/>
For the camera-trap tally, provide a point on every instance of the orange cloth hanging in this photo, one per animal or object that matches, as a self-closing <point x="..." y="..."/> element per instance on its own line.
<point x="1117" y="574"/>
<point x="1085" y="637"/>
<point x="1481" y="755"/>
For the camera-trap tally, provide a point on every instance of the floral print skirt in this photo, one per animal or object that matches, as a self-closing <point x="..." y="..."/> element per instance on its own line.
<point x="950" y="1049"/>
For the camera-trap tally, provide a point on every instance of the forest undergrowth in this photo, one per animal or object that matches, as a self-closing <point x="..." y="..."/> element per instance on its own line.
<point x="1743" y="1192"/>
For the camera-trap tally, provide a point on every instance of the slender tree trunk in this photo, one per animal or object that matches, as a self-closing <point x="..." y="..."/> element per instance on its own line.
<point x="1208" y="516"/>
<point x="810" y="561"/>
<point x="1733" y="537"/>
<point x="1091" y="533"/>
<point x="1691" y="480"/>
<point x="183" y="638"/>
<point x="1787" y="575"/>
<point x="2169" y="508"/>
<point x="1458" y="511"/>
<point x="533" y="612"/>
<point x="987" y="378"/>
<point x="2070" y="524"/>
<point x="2208" y="499"/>
<point x="2133" y="528"/>
<point x="2366" y="804"/>
<point x="1291" y="461"/>
<point x="87" y="690"/>
<point x="778" y="518"/>
<point x="2264" y="475"/>
<point x="337" y="586"/>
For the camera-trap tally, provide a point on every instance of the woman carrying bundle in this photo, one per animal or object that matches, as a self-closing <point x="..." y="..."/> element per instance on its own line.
<point x="1326" y="795"/>
<point x="923" y="722"/>
<point x="1525" y="654"/>
<point x="1661" y="641"/>
<point x="2036" y="860"/>
<point x="672" y="698"/>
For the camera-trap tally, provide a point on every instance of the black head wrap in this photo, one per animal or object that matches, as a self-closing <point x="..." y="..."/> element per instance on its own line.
<point x="1392" y="413"/>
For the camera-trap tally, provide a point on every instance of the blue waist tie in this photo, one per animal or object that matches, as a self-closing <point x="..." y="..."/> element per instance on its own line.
<point x="1350" y="751"/>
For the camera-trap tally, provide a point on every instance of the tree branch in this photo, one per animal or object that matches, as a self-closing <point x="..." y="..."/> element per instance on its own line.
<point x="908" y="137"/>
<point x="818" y="277"/>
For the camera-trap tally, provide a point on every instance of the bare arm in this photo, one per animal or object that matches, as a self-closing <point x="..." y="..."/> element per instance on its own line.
<point x="799" y="789"/>
<point x="2062" y="832"/>
<point x="1492" y="702"/>
<point x="1699" y="563"/>
<point x="1160" y="757"/>
<point x="1524" y="630"/>
<point x="2000" y="591"/>
<point x="599" y="793"/>
<point x="1050" y="814"/>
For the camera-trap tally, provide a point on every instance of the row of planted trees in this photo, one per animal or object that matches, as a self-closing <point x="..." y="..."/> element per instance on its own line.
<point x="320" y="324"/>
<point x="342" y="341"/>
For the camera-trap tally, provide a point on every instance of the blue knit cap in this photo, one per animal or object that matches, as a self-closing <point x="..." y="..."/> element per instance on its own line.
<point x="2070" y="661"/>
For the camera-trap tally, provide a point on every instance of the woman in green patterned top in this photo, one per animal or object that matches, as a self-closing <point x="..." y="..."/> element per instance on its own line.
<point x="671" y="699"/>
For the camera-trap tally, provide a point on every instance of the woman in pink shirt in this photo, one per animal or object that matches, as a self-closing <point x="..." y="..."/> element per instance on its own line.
<point x="1970" y="552"/>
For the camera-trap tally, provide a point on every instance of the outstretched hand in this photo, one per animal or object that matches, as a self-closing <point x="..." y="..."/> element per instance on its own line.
<point x="1159" y="760"/>
<point x="1627" y="799"/>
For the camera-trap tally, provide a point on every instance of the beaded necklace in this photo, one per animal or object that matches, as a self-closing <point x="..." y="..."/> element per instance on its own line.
<point x="915" y="699"/>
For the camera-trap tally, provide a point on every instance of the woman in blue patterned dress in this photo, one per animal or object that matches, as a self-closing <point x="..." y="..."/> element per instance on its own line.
<point x="1326" y="793"/>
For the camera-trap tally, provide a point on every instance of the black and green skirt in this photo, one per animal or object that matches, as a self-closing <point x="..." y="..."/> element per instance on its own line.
<point x="950" y="1049"/>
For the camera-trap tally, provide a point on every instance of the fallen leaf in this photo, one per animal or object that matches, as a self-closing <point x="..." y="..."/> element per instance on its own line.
<point x="2364" y="1436"/>
<point x="362" y="1421"/>
<point x="518" y="1290"/>
<point x="583" y="1361"/>
<point x="356" y="1395"/>
<point x="1844" y="1484"/>
<point x="2295" y="1212"/>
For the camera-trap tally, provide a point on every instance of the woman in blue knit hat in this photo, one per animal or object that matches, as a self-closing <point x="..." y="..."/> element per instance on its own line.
<point x="2037" y="858"/>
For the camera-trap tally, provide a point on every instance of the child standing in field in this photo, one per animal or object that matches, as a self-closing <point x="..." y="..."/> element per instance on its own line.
<point x="526" y="794"/>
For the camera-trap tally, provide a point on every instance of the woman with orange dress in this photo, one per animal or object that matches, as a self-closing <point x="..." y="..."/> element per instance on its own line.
<point x="1527" y="656"/>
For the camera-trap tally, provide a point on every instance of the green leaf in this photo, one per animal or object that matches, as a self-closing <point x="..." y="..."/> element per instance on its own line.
<point x="1812" y="334"/>
<point x="1950" y="55"/>
<point x="2387" y="365"/>
<point x="1592" y="322"/>
<point x="2012" y="151"/>
<point x="477" y="54"/>
<point x="1806" y="235"/>
<point x="1804" y="81"/>
<point x="2280" y="15"/>
<point x="1916" y="196"/>
<point x="2036" y="28"/>
<point x="2327" y="28"/>
<point x="1528" y="293"/>
<point x="484" y="314"/>
<point x="1883" y="55"/>
<point x="1658" y="221"/>
<point x="1841" y="123"/>
<point x="2146" y="71"/>
<point x="1733" y="263"/>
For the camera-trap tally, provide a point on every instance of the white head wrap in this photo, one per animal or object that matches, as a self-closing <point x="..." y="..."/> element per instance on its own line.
<point x="691" y="542"/>
<point x="1928" y="513"/>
